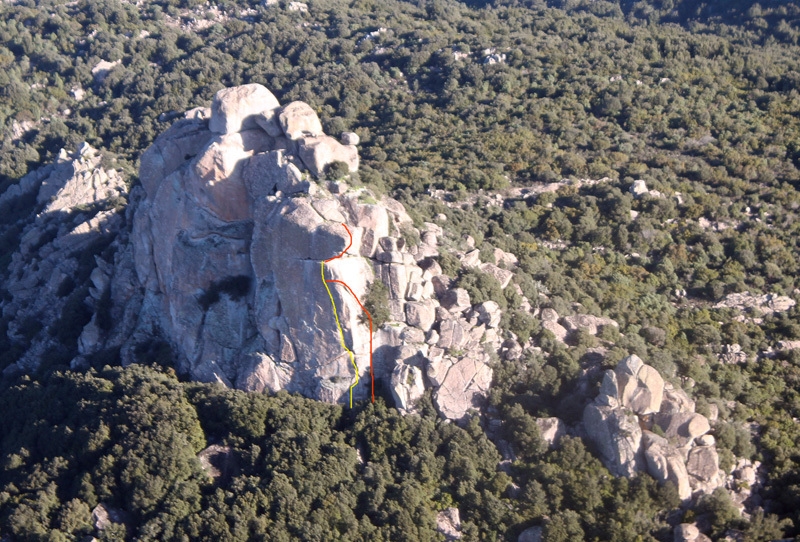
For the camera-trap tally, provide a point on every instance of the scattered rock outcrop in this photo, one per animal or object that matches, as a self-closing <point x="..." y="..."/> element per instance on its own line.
<point x="640" y="423"/>
<point x="448" y="523"/>
<point x="765" y="304"/>
<point x="76" y="218"/>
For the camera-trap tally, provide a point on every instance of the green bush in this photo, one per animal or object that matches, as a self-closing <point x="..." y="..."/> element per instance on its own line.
<point x="377" y="303"/>
<point x="481" y="287"/>
<point x="337" y="170"/>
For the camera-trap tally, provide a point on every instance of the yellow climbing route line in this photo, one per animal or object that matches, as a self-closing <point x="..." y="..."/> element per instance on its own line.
<point x="341" y="332"/>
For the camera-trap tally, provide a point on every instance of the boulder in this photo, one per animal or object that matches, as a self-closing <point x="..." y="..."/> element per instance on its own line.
<point x="456" y="300"/>
<point x="531" y="534"/>
<point x="453" y="334"/>
<point x="646" y="397"/>
<point x="169" y="151"/>
<point x="243" y="108"/>
<point x="609" y="390"/>
<point x="489" y="313"/>
<point x="556" y="329"/>
<point x="617" y="437"/>
<point x="551" y="430"/>
<point x="747" y="474"/>
<point x="549" y="315"/>
<point x="373" y="220"/>
<point x="639" y="188"/>
<point x="503" y="276"/>
<point x="732" y="354"/>
<point x="505" y="259"/>
<point x="441" y="284"/>
<point x="511" y="350"/>
<point x="688" y="532"/>
<point x="407" y="386"/>
<point x="666" y="464"/>
<point x="217" y="461"/>
<point x="675" y="400"/>
<point x="471" y="258"/>
<point x="550" y="322"/>
<point x="448" y="523"/>
<point x="216" y="182"/>
<point x="641" y="388"/>
<point x="350" y="138"/>
<point x="682" y="427"/>
<point x="421" y="314"/>
<point x="298" y="120"/>
<point x="586" y="322"/>
<point x="464" y="385"/>
<point x="703" y="463"/>
<point x="198" y="113"/>
<point x="269" y="172"/>
<point x="437" y="366"/>
<point x="103" y="516"/>
<point x="706" y="440"/>
<point x="317" y="153"/>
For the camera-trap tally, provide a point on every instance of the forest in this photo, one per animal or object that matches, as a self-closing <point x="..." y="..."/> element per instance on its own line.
<point x="454" y="103"/>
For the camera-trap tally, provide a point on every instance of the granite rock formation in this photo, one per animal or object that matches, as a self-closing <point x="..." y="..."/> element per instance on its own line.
<point x="223" y="263"/>
<point x="640" y="423"/>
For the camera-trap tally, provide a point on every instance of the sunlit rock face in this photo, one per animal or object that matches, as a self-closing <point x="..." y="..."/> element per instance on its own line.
<point x="640" y="423"/>
<point x="229" y="233"/>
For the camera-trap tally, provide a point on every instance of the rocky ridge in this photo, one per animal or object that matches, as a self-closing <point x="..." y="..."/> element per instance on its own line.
<point x="77" y="220"/>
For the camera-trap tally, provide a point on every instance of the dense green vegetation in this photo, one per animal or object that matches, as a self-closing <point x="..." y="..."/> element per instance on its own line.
<point x="303" y="469"/>
<point x="694" y="98"/>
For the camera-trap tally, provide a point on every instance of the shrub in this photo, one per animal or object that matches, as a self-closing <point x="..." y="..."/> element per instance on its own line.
<point x="449" y="264"/>
<point x="337" y="170"/>
<point x="482" y="287"/>
<point x="377" y="303"/>
<point x="236" y="287"/>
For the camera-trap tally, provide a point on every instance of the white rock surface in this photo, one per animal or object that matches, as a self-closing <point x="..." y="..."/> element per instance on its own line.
<point x="448" y="523"/>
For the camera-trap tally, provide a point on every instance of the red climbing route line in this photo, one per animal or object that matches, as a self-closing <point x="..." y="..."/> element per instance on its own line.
<point x="348" y="246"/>
<point x="369" y="316"/>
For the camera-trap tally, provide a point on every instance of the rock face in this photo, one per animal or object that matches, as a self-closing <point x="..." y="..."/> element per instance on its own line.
<point x="232" y="270"/>
<point x="640" y="423"/>
<point x="216" y="266"/>
<point x="219" y="256"/>
<point x="77" y="219"/>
